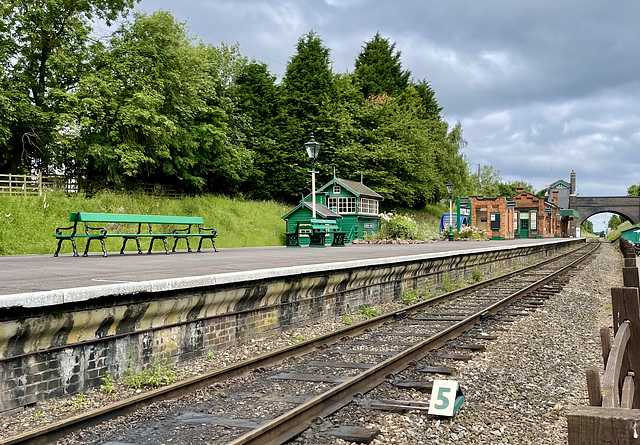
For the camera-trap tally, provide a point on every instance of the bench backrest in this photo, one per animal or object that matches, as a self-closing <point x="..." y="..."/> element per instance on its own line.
<point x="324" y="224"/>
<point x="134" y="219"/>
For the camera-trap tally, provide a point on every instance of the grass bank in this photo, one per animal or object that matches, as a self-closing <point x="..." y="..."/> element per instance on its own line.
<point x="27" y="222"/>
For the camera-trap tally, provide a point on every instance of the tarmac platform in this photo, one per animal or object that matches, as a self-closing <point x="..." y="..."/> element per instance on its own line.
<point x="36" y="277"/>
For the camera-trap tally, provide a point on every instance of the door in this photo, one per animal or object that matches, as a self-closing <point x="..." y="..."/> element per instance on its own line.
<point x="524" y="225"/>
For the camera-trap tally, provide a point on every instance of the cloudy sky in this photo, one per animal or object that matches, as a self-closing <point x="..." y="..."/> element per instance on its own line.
<point x="540" y="88"/>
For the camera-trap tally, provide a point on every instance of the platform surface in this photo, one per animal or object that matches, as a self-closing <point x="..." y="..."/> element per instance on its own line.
<point x="42" y="273"/>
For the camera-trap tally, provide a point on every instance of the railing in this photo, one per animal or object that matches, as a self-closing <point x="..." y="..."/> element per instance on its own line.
<point x="26" y="185"/>
<point x="614" y="412"/>
<point x="36" y="184"/>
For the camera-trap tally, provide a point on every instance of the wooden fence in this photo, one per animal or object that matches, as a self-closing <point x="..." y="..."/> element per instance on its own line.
<point x="26" y="185"/>
<point x="36" y="184"/>
<point x="614" y="412"/>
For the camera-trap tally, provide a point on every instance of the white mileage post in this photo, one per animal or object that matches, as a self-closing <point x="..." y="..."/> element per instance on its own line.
<point x="446" y="398"/>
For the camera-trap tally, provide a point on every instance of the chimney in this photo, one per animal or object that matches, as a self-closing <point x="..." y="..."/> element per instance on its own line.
<point x="572" y="189"/>
<point x="520" y="189"/>
<point x="555" y="196"/>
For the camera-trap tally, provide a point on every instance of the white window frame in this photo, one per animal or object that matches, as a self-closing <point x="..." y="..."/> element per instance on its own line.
<point x="336" y="190"/>
<point x="369" y="206"/>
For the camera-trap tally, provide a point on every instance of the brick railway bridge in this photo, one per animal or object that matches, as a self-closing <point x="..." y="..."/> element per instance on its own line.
<point x="587" y="206"/>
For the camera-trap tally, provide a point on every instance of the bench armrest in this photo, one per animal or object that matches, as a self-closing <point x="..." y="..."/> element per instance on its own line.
<point x="187" y="230"/>
<point x="60" y="229"/>
<point x="103" y="230"/>
<point x="213" y="231"/>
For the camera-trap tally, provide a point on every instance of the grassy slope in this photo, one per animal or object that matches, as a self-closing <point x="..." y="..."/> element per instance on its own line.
<point x="26" y="225"/>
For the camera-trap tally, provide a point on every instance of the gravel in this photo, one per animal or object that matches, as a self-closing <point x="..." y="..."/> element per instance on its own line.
<point x="518" y="390"/>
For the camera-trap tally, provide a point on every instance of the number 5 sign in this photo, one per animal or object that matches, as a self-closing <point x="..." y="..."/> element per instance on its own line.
<point x="446" y="398"/>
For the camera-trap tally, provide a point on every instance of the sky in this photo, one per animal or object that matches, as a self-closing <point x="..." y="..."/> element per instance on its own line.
<point x="540" y="88"/>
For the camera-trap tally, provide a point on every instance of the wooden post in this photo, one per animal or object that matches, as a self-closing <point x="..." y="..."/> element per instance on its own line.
<point x="10" y="191"/>
<point x="592" y="425"/>
<point x="605" y="341"/>
<point x="593" y="387"/>
<point x="630" y="262"/>
<point x="630" y="277"/>
<point x="611" y="380"/>
<point x="626" y="302"/>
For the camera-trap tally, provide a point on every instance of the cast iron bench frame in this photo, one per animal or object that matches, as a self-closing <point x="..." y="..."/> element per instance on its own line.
<point x="101" y="233"/>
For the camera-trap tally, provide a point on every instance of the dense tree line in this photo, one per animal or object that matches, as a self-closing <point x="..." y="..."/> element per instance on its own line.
<point x="151" y="103"/>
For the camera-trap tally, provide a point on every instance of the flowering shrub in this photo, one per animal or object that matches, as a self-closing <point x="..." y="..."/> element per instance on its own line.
<point x="468" y="232"/>
<point x="395" y="226"/>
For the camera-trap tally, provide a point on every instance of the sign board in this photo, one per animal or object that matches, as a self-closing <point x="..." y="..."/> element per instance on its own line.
<point x="446" y="398"/>
<point x="369" y="225"/>
<point x="465" y="212"/>
<point x="547" y="210"/>
<point x="511" y="204"/>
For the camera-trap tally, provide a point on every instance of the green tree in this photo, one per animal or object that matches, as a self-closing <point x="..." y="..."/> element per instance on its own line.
<point x="615" y="221"/>
<point x="44" y="54"/>
<point x="634" y="190"/>
<point x="154" y="111"/>
<point x="378" y="69"/>
<point x="587" y="226"/>
<point x="308" y="94"/>
<point x="258" y="103"/>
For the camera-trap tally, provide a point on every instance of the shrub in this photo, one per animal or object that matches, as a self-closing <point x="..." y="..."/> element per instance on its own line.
<point x="396" y="226"/>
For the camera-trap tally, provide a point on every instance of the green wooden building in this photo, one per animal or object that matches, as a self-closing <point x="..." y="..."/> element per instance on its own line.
<point x="353" y="205"/>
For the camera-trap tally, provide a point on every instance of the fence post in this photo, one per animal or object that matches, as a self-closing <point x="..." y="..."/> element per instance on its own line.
<point x="626" y="306"/>
<point x="594" y="425"/>
<point x="10" y="191"/>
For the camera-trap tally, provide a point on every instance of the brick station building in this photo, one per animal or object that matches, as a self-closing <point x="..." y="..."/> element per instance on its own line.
<point x="521" y="216"/>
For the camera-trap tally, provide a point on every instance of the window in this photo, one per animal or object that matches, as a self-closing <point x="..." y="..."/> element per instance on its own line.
<point x="369" y="206"/>
<point x="534" y="220"/>
<point x="336" y="190"/>
<point x="342" y="205"/>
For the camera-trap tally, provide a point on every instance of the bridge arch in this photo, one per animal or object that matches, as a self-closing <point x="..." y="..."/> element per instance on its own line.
<point x="587" y="206"/>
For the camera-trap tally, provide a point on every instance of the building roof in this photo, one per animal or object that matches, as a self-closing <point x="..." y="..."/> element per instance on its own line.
<point x="321" y="210"/>
<point x="559" y="183"/>
<point x="357" y="188"/>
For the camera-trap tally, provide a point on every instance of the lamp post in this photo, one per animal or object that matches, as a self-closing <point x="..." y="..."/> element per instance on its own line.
<point x="450" y="190"/>
<point x="313" y="148"/>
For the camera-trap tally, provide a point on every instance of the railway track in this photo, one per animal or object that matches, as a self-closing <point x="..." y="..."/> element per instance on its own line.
<point x="281" y="394"/>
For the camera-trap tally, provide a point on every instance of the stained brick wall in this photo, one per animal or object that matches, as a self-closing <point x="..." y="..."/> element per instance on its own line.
<point x="45" y="356"/>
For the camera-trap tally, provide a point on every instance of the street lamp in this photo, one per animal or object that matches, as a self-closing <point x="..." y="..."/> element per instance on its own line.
<point x="450" y="191"/>
<point x="313" y="148"/>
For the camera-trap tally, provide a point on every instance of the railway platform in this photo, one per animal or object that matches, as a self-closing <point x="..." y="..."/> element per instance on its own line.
<point x="37" y="277"/>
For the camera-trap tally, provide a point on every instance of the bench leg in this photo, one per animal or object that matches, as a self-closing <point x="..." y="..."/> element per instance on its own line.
<point x="86" y="248"/>
<point x="188" y="246"/>
<point x="104" y="249"/>
<point x="213" y="242"/>
<point x="138" y="244"/>
<point x="164" y="240"/>
<point x="58" y="249"/>
<point x="175" y="242"/>
<point x="124" y="243"/>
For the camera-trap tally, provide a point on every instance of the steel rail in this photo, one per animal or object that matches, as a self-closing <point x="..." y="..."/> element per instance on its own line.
<point x="292" y="423"/>
<point x="61" y="428"/>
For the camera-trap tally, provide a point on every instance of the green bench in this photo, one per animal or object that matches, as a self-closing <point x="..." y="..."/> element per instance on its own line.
<point x="101" y="233"/>
<point x="320" y="228"/>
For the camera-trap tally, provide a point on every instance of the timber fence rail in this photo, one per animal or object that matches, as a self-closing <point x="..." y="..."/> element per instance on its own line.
<point x="614" y="412"/>
<point x="25" y="185"/>
<point x="36" y="184"/>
